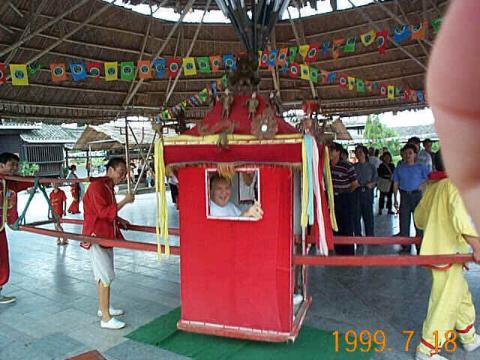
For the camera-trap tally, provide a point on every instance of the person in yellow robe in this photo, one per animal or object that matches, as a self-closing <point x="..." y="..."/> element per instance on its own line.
<point x="448" y="229"/>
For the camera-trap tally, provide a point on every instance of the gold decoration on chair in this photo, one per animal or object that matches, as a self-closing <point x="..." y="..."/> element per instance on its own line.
<point x="265" y="126"/>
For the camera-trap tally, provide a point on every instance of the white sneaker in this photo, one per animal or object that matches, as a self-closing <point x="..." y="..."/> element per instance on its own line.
<point x="7" y="299"/>
<point x="473" y="346"/>
<point x="112" y="324"/>
<point x="113" y="312"/>
<point x="297" y="299"/>
<point x="422" y="356"/>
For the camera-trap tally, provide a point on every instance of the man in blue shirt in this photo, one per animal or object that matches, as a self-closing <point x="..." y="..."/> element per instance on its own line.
<point x="408" y="177"/>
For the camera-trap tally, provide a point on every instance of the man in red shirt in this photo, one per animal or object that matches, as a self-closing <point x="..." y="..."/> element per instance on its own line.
<point x="101" y="220"/>
<point x="58" y="201"/>
<point x="8" y="214"/>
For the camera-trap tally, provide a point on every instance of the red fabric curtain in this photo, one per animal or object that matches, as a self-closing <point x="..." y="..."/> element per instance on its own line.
<point x="237" y="273"/>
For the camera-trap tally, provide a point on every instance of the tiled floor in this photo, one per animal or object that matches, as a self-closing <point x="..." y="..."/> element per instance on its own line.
<point x="54" y="316"/>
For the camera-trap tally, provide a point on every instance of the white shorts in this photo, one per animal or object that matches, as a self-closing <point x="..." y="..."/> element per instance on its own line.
<point x="102" y="264"/>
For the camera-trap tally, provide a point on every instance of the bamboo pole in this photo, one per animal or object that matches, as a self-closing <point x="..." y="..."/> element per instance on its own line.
<point x="41" y="28"/>
<point x="188" y="53"/>
<point x="157" y="54"/>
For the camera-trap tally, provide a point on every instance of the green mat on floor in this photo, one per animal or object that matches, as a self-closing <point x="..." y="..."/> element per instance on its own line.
<point x="310" y="344"/>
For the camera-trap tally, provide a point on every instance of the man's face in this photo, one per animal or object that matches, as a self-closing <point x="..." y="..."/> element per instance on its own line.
<point x="428" y="146"/>
<point x="222" y="190"/>
<point x="410" y="155"/>
<point x="334" y="154"/>
<point x="10" y="168"/>
<point x="117" y="174"/>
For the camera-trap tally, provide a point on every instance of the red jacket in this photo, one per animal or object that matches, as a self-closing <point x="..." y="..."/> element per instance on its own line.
<point x="100" y="210"/>
<point x="57" y="200"/>
<point x="13" y="187"/>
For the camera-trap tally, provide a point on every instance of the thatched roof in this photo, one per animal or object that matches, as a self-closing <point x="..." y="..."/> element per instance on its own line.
<point x="118" y="35"/>
<point x="112" y="137"/>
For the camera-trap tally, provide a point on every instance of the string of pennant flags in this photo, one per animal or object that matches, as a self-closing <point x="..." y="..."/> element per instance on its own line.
<point x="170" y="66"/>
<point x="284" y="58"/>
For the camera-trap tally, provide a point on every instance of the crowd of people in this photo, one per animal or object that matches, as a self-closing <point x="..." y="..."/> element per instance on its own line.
<point x="355" y="184"/>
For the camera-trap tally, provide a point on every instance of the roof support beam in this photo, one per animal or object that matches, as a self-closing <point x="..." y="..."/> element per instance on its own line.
<point x="45" y="26"/>
<point x="297" y="39"/>
<point x="27" y="28"/>
<point x="188" y="53"/>
<point x="66" y="36"/>
<point x="157" y="54"/>
<point x="406" y="52"/>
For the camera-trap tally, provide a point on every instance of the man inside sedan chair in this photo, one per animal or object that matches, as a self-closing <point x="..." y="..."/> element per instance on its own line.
<point x="220" y="205"/>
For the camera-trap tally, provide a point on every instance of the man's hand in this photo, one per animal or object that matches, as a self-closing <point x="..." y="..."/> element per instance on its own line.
<point x="123" y="223"/>
<point x="476" y="256"/>
<point x="254" y="211"/>
<point x="129" y="198"/>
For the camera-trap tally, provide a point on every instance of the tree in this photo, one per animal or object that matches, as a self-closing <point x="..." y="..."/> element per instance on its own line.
<point x="379" y="135"/>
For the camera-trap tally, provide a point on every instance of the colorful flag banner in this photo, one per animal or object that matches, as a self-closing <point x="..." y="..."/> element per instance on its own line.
<point x="419" y="31"/>
<point x="382" y="41"/>
<point x="204" y="65"/>
<point x="111" y="71"/>
<point x="331" y="77"/>
<point x="216" y="62"/>
<point x="420" y="96"/>
<point x="144" y="69"/>
<point x="351" y="82"/>
<point x="312" y="54"/>
<point x="337" y="45"/>
<point x="314" y="74"/>
<point x="94" y="69"/>
<point x="369" y="86"/>
<point x="303" y="50"/>
<point x="325" y="47"/>
<point x="294" y="70"/>
<point x="159" y="67"/>
<point x="304" y="72"/>
<point x="78" y="72"/>
<point x="264" y="59"/>
<point x="189" y="68"/>
<point x="391" y="92"/>
<point x="349" y="46"/>
<point x="19" y="74"/>
<point x="285" y="68"/>
<point x="282" y="56"/>
<point x="3" y="73"/>
<point x="343" y="80"/>
<point x="58" y="72"/>
<point x="383" y="90"/>
<point x="32" y="69"/>
<point x="173" y="66"/>
<point x="323" y="76"/>
<point x="401" y="33"/>
<point x="272" y="57"/>
<point x="398" y="91"/>
<point x="436" y="25"/>
<point x="292" y="54"/>
<point x="127" y="70"/>
<point x="360" y="86"/>
<point x="368" y="38"/>
<point x="230" y="62"/>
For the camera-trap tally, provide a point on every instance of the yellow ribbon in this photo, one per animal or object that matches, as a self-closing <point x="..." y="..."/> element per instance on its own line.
<point x="304" y="216"/>
<point x="329" y="185"/>
<point x="160" y="195"/>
